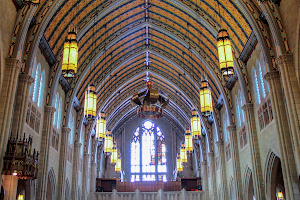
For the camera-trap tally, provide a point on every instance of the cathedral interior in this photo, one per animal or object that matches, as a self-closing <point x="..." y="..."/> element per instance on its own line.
<point x="150" y="99"/>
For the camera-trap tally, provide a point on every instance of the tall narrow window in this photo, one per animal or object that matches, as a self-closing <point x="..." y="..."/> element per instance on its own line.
<point x="256" y="87"/>
<point x="261" y="80"/>
<point x="33" y="74"/>
<point x="242" y="114"/>
<point x="41" y="90"/>
<point x="59" y="113"/>
<point x="56" y="109"/>
<point x="148" y="154"/>
<point x="37" y="83"/>
<point x="238" y="116"/>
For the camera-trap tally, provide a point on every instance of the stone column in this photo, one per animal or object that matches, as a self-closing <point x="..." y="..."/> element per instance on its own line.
<point x="258" y="178"/>
<point x="63" y="162"/>
<point x="7" y="97"/>
<point x="93" y="180"/>
<point x="235" y="161"/>
<point x="292" y="97"/>
<point x="205" y="180"/>
<point x="212" y="173"/>
<point x="44" y="152"/>
<point x="288" y="164"/>
<point x="85" y="170"/>
<point x="10" y="184"/>
<point x="222" y="164"/>
<point x="76" y="160"/>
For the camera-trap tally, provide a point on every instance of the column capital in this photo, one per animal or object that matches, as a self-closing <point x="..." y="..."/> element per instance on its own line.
<point x="284" y="59"/>
<point x="204" y="163"/>
<point x="220" y="143"/>
<point x="211" y="154"/>
<point x="247" y="106"/>
<point x="77" y="144"/>
<point x="13" y="62"/>
<point x="231" y="128"/>
<point x="26" y="78"/>
<point x="50" y="109"/>
<point x="66" y="130"/>
<point x="274" y="74"/>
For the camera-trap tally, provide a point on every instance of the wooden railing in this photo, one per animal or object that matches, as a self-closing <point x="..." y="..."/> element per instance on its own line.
<point x="159" y="195"/>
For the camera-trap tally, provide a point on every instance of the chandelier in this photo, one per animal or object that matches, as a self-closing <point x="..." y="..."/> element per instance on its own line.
<point x="205" y="99"/>
<point x="188" y="141"/>
<point x="195" y="125"/>
<point x="150" y="102"/>
<point x="179" y="164"/>
<point x="90" y="103"/>
<point x="101" y="126"/>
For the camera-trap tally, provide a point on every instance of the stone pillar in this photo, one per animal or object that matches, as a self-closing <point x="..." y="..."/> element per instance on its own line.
<point x="7" y="97"/>
<point x="93" y="180"/>
<point x="222" y="164"/>
<point x="85" y="170"/>
<point x="258" y="178"/>
<point x="76" y="163"/>
<point x="212" y="174"/>
<point x="235" y="161"/>
<point x="44" y="152"/>
<point x="63" y="162"/>
<point x="205" y="180"/>
<point x="10" y="184"/>
<point x="20" y="110"/>
<point x="288" y="164"/>
<point x="292" y="97"/>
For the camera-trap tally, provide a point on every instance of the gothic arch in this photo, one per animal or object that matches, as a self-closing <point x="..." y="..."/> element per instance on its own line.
<point x="273" y="175"/>
<point x="51" y="182"/>
<point x="67" y="190"/>
<point x="248" y="184"/>
<point x="232" y="189"/>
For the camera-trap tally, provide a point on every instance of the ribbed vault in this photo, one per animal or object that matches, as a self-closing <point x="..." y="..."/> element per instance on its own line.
<point x="180" y="43"/>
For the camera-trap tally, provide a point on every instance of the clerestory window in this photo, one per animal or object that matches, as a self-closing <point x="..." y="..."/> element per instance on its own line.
<point x="148" y="154"/>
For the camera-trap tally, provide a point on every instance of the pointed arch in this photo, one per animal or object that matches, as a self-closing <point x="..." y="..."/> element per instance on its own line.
<point x="51" y="189"/>
<point x="248" y="184"/>
<point x="232" y="192"/>
<point x="255" y="86"/>
<point x="67" y="190"/>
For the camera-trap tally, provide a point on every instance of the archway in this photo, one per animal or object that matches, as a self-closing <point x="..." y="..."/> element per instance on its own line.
<point x="248" y="185"/>
<point x="274" y="176"/>
<point x="50" y="193"/>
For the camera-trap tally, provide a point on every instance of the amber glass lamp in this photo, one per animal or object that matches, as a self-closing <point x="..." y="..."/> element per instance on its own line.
<point x="108" y="145"/>
<point x="195" y="125"/>
<point x="101" y="127"/>
<point x="114" y="155"/>
<point x="225" y="54"/>
<point x="179" y="164"/>
<point x="280" y="195"/>
<point x="183" y="155"/>
<point x="205" y="99"/>
<point x="118" y="165"/>
<point x="188" y="141"/>
<point x="90" y="103"/>
<point x="70" y="56"/>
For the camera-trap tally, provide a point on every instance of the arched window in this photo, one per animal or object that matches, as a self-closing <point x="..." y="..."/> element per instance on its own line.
<point x="59" y="113"/>
<point x="148" y="154"/>
<point x="33" y="74"/>
<point x="255" y="85"/>
<point x="242" y="114"/>
<point x="71" y="136"/>
<point x="261" y="80"/>
<point x="56" y="104"/>
<point x="41" y="90"/>
<point x="238" y="116"/>
<point x="36" y="86"/>
<point x="225" y="125"/>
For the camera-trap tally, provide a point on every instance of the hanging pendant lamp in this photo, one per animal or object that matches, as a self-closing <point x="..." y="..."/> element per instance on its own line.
<point x="195" y="125"/>
<point x="205" y="99"/>
<point x="118" y="165"/>
<point x="188" y="141"/>
<point x="183" y="155"/>
<point x="70" y="56"/>
<point x="225" y="54"/>
<point x="90" y="103"/>
<point x="101" y="127"/>
<point x="114" y="155"/>
<point x="179" y="164"/>
<point x="108" y="145"/>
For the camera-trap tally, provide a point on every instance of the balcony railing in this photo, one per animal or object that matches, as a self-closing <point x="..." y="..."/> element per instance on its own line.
<point x="159" y="195"/>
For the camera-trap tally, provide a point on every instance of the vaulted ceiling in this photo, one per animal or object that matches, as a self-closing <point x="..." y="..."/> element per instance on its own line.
<point x="177" y="37"/>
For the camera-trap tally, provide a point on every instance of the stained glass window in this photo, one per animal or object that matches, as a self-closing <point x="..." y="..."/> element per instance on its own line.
<point x="148" y="154"/>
